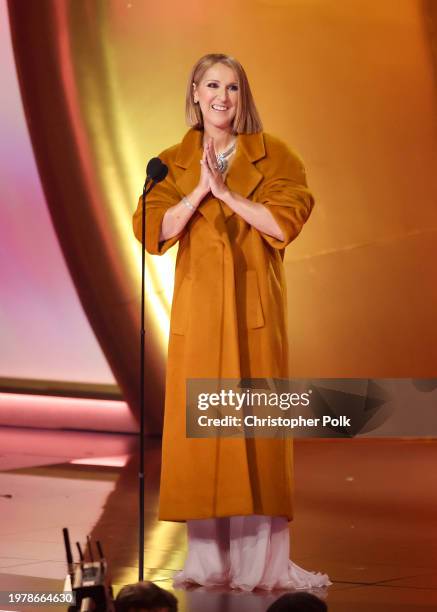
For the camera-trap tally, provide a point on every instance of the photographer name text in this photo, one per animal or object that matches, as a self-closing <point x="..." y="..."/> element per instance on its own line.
<point x="268" y="421"/>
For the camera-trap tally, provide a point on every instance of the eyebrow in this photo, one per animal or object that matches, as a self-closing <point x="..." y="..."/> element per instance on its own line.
<point x="217" y="81"/>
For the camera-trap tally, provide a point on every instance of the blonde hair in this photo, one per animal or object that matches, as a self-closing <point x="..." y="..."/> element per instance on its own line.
<point x="247" y="119"/>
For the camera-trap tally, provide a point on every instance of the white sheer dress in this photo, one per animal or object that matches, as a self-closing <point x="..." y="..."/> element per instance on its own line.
<point x="244" y="552"/>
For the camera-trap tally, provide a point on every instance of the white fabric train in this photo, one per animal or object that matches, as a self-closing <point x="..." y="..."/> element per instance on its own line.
<point x="244" y="552"/>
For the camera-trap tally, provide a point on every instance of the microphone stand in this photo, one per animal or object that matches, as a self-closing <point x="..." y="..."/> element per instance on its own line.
<point x="142" y="362"/>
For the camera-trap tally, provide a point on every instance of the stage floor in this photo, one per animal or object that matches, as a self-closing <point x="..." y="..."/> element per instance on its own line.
<point x="366" y="513"/>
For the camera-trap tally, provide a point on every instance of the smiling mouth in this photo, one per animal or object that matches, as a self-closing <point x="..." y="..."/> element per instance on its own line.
<point x="219" y="108"/>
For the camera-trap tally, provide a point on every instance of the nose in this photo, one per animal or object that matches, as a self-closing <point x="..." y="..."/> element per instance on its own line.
<point x="222" y="94"/>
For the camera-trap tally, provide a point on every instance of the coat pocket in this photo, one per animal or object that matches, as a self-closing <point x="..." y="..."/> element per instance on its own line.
<point x="254" y="311"/>
<point x="181" y="308"/>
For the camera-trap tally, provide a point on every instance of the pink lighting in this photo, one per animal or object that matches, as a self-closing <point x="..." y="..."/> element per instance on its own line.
<point x="45" y="333"/>
<point x="116" y="461"/>
<point x="54" y="412"/>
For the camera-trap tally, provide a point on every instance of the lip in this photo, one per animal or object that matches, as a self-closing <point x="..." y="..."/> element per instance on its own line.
<point x="226" y="108"/>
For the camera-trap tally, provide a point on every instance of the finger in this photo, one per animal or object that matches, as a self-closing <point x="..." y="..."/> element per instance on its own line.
<point x="209" y="168"/>
<point x="208" y="158"/>
<point x="212" y="150"/>
<point x="205" y="165"/>
<point x="212" y="160"/>
<point x="204" y="158"/>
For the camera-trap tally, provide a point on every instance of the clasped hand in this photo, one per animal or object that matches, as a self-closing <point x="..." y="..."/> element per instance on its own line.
<point x="211" y="178"/>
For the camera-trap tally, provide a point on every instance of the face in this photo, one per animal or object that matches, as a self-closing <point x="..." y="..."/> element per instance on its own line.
<point x="217" y="94"/>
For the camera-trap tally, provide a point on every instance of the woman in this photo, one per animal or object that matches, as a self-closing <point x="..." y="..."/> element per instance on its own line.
<point x="234" y="198"/>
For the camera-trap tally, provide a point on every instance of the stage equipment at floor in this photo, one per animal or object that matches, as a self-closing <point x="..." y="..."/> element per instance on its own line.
<point x="88" y="580"/>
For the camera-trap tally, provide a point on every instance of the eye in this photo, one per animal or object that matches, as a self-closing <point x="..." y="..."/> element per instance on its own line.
<point x="233" y="87"/>
<point x="212" y="85"/>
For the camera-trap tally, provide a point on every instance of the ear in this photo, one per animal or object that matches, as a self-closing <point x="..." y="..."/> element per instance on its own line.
<point x="195" y="97"/>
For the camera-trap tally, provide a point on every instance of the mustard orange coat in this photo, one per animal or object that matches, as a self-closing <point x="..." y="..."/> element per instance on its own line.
<point x="228" y="320"/>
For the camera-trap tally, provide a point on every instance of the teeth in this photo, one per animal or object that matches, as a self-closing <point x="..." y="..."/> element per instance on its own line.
<point x="218" y="107"/>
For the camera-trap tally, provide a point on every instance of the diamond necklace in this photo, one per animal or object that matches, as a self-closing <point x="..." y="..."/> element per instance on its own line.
<point x="222" y="158"/>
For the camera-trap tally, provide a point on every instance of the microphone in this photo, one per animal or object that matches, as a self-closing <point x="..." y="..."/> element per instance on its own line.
<point x="162" y="173"/>
<point x="156" y="170"/>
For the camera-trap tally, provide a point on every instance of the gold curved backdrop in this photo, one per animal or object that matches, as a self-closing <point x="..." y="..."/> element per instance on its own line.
<point x="351" y="86"/>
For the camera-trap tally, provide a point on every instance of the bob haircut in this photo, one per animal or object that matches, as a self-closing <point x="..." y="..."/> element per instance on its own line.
<point x="247" y="119"/>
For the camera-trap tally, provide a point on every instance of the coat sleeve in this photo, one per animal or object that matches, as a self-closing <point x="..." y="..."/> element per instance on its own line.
<point x="163" y="196"/>
<point x="285" y="193"/>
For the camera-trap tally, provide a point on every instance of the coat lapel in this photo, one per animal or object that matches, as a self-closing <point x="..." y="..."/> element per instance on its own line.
<point x="243" y="177"/>
<point x="188" y="158"/>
